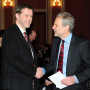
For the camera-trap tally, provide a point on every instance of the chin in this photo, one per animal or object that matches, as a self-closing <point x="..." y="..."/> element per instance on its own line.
<point x="27" y="26"/>
<point x="55" y="35"/>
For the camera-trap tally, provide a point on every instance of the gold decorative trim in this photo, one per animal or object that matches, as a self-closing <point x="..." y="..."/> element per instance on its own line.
<point x="2" y="21"/>
<point x="15" y="2"/>
<point x="49" y="22"/>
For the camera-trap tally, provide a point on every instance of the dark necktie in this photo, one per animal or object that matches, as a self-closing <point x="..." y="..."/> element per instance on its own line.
<point x="26" y="38"/>
<point x="60" y="62"/>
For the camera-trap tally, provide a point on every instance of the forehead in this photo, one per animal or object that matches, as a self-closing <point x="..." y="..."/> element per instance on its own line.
<point x="58" y="20"/>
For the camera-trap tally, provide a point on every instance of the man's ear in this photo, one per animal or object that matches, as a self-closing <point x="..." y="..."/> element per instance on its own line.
<point x="16" y="15"/>
<point x="67" y="27"/>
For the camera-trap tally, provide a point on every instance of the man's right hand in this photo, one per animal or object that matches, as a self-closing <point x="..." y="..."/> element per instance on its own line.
<point x="39" y="73"/>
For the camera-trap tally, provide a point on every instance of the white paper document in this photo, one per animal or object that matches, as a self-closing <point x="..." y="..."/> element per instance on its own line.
<point x="56" y="79"/>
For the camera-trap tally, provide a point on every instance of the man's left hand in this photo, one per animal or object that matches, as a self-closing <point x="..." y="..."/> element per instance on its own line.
<point x="70" y="80"/>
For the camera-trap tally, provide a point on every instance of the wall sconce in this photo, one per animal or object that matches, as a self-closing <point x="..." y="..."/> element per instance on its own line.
<point x="8" y="3"/>
<point x="56" y="3"/>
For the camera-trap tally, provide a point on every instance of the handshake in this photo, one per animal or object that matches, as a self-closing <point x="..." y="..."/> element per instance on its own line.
<point x="39" y="73"/>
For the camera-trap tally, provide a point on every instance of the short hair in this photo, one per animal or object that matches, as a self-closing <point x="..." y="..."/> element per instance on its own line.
<point x="67" y="19"/>
<point x="22" y="6"/>
<point x="32" y="32"/>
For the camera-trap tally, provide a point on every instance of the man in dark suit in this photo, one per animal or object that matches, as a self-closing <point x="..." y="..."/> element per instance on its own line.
<point x="19" y="62"/>
<point x="76" y="55"/>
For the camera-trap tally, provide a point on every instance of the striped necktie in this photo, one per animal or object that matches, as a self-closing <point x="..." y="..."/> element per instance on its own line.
<point x="26" y="38"/>
<point x="60" y="62"/>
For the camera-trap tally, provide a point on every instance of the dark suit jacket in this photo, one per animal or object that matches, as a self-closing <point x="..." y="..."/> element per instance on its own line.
<point x="18" y="65"/>
<point x="78" y="61"/>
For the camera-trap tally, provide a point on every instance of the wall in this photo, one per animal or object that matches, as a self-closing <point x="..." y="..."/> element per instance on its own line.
<point x="37" y="4"/>
<point x="8" y="11"/>
<point x="8" y="16"/>
<point x="55" y="11"/>
<point x="80" y="10"/>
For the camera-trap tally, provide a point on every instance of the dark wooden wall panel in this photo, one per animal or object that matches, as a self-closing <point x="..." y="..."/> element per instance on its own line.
<point x="55" y="11"/>
<point x="39" y="26"/>
<point x="37" y="4"/>
<point x="8" y="16"/>
<point x="80" y="9"/>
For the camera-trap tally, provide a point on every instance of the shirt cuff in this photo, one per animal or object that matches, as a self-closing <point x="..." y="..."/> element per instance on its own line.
<point x="43" y="70"/>
<point x="76" y="79"/>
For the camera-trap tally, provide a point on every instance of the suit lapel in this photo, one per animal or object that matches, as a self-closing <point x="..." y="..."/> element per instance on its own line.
<point x="32" y="49"/>
<point x="69" y="58"/>
<point x="57" y="50"/>
<point x="22" y="39"/>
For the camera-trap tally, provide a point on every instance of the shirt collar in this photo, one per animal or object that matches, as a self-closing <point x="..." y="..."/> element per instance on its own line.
<point x="68" y="38"/>
<point x="22" y="31"/>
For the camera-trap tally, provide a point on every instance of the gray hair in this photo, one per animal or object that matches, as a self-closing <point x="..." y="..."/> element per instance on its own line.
<point x="67" y="19"/>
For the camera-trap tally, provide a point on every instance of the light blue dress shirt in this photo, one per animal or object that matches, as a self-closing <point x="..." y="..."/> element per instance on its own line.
<point x="66" y="50"/>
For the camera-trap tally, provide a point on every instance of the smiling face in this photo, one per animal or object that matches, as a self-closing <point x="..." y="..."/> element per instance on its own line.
<point x="60" y="30"/>
<point x="24" y="19"/>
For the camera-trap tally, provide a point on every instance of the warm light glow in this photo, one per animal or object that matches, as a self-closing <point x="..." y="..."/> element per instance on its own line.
<point x="56" y="3"/>
<point x="11" y="4"/>
<point x="59" y="4"/>
<point x="5" y="0"/>
<point x="4" y="4"/>
<point x="53" y="3"/>
<point x="8" y="2"/>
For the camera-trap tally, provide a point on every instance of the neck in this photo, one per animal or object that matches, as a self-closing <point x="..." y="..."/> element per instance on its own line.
<point x="64" y="36"/>
<point x="21" y="26"/>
